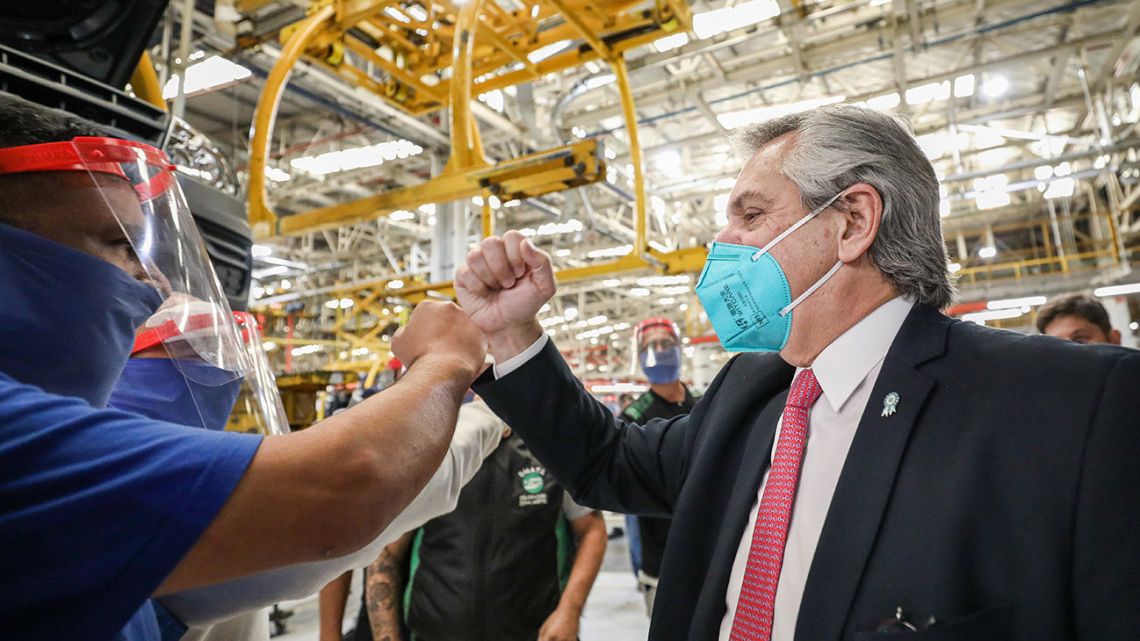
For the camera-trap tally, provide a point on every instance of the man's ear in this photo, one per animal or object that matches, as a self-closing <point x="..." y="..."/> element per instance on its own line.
<point x="1114" y="337"/>
<point x="861" y="209"/>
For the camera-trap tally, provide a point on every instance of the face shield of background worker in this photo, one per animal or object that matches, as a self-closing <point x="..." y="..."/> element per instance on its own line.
<point x="107" y="508"/>
<point x="1079" y="318"/>
<point x="924" y="471"/>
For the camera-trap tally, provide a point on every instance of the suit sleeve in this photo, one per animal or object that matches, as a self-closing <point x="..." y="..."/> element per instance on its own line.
<point x="605" y="462"/>
<point x="1106" y="572"/>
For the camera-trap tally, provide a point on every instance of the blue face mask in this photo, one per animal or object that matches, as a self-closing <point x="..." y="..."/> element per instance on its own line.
<point x="662" y="366"/>
<point x="183" y="392"/>
<point x="67" y="319"/>
<point x="747" y="296"/>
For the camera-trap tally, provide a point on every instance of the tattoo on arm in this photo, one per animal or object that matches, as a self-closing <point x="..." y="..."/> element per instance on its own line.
<point x="383" y="591"/>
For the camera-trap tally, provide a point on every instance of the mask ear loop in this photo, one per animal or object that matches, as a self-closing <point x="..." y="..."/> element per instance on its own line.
<point x="819" y="283"/>
<point x="799" y="223"/>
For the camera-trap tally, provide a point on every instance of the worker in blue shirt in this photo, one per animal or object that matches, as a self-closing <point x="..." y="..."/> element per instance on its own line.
<point x="101" y="509"/>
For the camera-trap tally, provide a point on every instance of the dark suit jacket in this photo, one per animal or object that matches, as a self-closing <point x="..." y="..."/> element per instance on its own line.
<point x="1002" y="497"/>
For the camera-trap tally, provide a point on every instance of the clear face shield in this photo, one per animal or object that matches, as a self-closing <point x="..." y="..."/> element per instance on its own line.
<point x="133" y="211"/>
<point x="657" y="344"/>
<point x="258" y="408"/>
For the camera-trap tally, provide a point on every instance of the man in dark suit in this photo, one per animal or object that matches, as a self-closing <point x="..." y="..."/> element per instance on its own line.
<point x="890" y="470"/>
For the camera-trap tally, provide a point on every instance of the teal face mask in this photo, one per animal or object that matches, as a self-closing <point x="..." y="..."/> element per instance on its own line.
<point x="747" y="296"/>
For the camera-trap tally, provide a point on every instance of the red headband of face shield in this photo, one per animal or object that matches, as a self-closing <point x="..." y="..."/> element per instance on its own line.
<point x="650" y="323"/>
<point x="110" y="156"/>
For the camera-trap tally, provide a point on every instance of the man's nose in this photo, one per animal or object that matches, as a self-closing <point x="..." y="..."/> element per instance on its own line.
<point x="727" y="235"/>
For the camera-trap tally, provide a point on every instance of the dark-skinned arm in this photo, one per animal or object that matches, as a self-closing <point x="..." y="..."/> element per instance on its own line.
<point x="383" y="590"/>
<point x="331" y="603"/>
<point x="331" y="489"/>
<point x="590" y="534"/>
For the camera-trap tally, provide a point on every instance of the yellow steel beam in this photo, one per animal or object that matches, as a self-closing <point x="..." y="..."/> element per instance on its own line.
<point x="144" y="82"/>
<point x="466" y="148"/>
<point x="553" y="170"/>
<point x="575" y="19"/>
<point x="261" y="217"/>
<point x="682" y="261"/>
<point x="629" y="112"/>
<point x="505" y="45"/>
<point x="359" y="48"/>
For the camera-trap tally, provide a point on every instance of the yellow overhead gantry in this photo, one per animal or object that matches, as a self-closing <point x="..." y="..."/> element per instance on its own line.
<point x="403" y="51"/>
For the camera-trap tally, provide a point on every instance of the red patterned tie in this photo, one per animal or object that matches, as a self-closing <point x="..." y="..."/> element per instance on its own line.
<point x="755" y="608"/>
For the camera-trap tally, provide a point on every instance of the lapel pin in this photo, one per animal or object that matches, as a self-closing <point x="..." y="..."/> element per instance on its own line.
<point x="890" y="403"/>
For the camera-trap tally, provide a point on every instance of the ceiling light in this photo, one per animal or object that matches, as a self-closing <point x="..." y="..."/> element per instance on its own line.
<point x="988" y="251"/>
<point x="735" y="119"/>
<point x="639" y="292"/>
<point x="277" y="175"/>
<point x="211" y="73"/>
<point x="997" y="314"/>
<point x="964" y="86"/>
<point x="542" y="53"/>
<point x="954" y="267"/>
<point x="401" y="214"/>
<point x="944" y="208"/>
<point x="261" y="251"/>
<point x="355" y="158"/>
<point x="269" y="346"/>
<point x="1015" y="302"/>
<point x="395" y="284"/>
<point x="995" y="86"/>
<point x="1044" y="172"/>
<point x="1061" y="188"/>
<point x="611" y="282"/>
<point x="930" y="92"/>
<point x="710" y="23"/>
<point x="611" y="252"/>
<point x="658" y="281"/>
<point x="669" y="43"/>
<point x="1117" y="290"/>
<point x="562" y="253"/>
<point x="884" y="102"/>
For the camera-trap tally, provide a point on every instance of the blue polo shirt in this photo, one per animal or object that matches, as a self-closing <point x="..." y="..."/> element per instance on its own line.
<point x="97" y="507"/>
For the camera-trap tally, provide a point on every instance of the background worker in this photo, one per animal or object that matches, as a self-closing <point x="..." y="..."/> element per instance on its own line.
<point x="1079" y="318"/>
<point x="144" y="507"/>
<point x="515" y="561"/>
<point x="659" y="355"/>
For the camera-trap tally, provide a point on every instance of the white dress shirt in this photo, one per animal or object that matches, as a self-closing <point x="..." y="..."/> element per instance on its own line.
<point x="846" y="370"/>
<point x="231" y="611"/>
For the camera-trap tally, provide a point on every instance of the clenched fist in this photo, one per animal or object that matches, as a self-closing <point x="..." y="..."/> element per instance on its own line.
<point x="438" y="329"/>
<point x="503" y="284"/>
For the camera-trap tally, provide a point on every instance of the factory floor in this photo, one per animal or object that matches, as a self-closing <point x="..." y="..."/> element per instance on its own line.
<point x="615" y="610"/>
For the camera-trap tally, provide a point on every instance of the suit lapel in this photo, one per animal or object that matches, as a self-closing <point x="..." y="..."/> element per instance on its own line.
<point x="865" y="485"/>
<point x="711" y="606"/>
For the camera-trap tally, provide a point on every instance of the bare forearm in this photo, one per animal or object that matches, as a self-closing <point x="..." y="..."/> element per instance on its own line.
<point x="331" y="489"/>
<point x="331" y="604"/>
<point x="587" y="563"/>
<point x="382" y="596"/>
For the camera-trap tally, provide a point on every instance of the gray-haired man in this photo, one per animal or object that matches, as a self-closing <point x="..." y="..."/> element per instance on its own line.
<point x="889" y="469"/>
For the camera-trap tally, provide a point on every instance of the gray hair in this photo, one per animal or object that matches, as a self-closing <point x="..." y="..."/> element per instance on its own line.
<point x="840" y="145"/>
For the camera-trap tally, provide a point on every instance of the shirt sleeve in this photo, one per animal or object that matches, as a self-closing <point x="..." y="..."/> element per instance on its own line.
<point x="571" y="510"/>
<point x="477" y="434"/>
<point x="101" y="505"/>
<point x="517" y="361"/>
